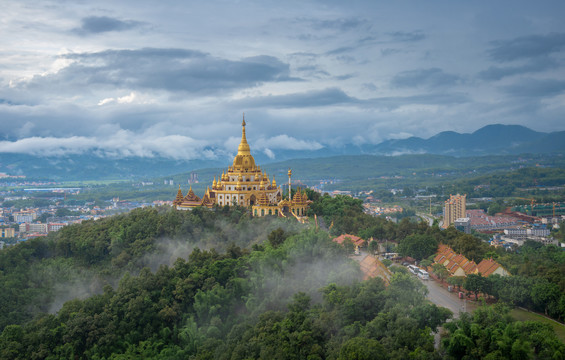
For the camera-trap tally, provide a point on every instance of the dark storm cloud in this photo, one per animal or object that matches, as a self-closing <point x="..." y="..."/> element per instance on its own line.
<point x="314" y="98"/>
<point x="533" y="66"/>
<point x="101" y="24"/>
<point x="341" y="24"/>
<point x="404" y="36"/>
<point x="390" y="51"/>
<point x="340" y="50"/>
<point x="337" y="97"/>
<point x="433" y="77"/>
<point x="526" y="47"/>
<point x="344" y="77"/>
<point x="533" y="88"/>
<point x="395" y="102"/>
<point x="163" y="69"/>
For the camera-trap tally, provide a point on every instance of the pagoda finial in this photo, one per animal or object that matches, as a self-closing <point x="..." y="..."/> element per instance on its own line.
<point x="243" y="148"/>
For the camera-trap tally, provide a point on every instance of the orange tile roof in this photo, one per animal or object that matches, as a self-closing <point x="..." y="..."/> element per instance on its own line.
<point x="373" y="267"/>
<point x="354" y="239"/>
<point x="470" y="267"/>
<point x="487" y="266"/>
<point x="456" y="261"/>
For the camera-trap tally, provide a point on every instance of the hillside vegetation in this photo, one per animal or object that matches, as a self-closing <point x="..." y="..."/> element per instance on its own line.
<point x="159" y="283"/>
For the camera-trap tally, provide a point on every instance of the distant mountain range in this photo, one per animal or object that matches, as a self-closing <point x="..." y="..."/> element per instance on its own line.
<point x="93" y="167"/>
<point x="489" y="140"/>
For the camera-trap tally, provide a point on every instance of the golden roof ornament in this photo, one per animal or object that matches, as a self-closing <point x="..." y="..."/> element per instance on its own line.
<point x="243" y="148"/>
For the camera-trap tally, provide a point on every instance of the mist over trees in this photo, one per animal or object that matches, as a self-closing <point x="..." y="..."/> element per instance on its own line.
<point x="219" y="284"/>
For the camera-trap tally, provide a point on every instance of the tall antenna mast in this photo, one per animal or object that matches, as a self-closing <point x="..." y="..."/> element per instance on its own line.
<point x="289" y="175"/>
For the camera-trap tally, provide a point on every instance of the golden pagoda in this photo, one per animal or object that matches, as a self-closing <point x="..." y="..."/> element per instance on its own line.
<point x="245" y="184"/>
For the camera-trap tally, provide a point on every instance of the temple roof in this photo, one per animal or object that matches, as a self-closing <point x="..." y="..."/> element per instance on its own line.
<point x="179" y="197"/>
<point x="191" y="197"/>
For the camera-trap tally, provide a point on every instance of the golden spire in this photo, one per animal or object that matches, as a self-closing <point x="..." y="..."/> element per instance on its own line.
<point x="274" y="182"/>
<point x="243" y="148"/>
<point x="214" y="184"/>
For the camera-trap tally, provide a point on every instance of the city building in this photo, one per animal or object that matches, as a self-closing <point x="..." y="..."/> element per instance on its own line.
<point x="481" y="221"/>
<point x="33" y="228"/>
<point x="25" y="216"/>
<point x="518" y="236"/>
<point x="55" y="226"/>
<point x="463" y="224"/>
<point x="7" y="232"/>
<point x="245" y="184"/>
<point x="453" y="209"/>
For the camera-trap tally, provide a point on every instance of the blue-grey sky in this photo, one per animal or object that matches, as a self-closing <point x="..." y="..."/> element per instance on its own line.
<point x="172" y="78"/>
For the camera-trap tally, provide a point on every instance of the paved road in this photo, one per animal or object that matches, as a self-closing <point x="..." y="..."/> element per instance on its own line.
<point x="441" y="297"/>
<point x="428" y="218"/>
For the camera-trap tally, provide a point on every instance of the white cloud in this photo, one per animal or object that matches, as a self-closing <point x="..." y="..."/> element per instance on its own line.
<point x="400" y="135"/>
<point x="122" y="144"/>
<point x="126" y="99"/>
<point x="106" y="101"/>
<point x="269" y="153"/>
<point x="286" y="142"/>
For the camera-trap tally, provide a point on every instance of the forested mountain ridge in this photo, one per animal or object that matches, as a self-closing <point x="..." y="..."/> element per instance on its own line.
<point x="489" y="140"/>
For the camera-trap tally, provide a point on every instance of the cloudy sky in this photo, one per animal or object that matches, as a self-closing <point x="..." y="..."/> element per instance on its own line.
<point x="172" y="78"/>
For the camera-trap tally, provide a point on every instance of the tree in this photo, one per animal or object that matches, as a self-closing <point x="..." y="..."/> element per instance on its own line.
<point x="373" y="246"/>
<point x="359" y="348"/>
<point x="277" y="237"/>
<point x="349" y="245"/>
<point x="544" y="294"/>
<point x="456" y="281"/>
<point x="425" y="263"/>
<point x="440" y="271"/>
<point x="474" y="283"/>
<point x="418" y="246"/>
<point x="61" y="212"/>
<point x="495" y="208"/>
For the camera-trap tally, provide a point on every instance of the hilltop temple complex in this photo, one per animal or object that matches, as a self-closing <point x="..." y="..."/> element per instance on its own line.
<point x="245" y="184"/>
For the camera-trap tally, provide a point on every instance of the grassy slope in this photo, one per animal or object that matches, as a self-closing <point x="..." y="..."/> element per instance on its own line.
<point x="522" y="315"/>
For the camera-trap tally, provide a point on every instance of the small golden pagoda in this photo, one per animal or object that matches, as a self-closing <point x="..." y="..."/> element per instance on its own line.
<point x="245" y="184"/>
